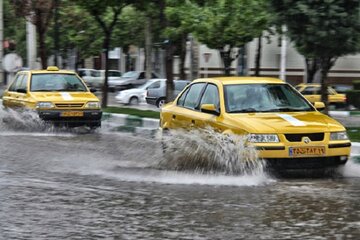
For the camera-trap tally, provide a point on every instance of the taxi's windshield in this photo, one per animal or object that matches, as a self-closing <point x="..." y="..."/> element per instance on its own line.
<point x="53" y="82"/>
<point x="242" y="98"/>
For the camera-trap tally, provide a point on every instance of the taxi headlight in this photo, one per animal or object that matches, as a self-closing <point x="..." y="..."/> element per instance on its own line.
<point x="338" y="136"/>
<point x="44" y="105"/>
<point x="92" y="105"/>
<point x="263" y="138"/>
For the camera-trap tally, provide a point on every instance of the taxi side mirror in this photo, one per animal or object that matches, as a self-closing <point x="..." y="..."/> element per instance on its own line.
<point x="93" y="90"/>
<point x="319" y="106"/>
<point x="209" y="108"/>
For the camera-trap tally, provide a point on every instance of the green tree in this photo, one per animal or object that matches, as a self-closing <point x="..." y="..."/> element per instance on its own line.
<point x="14" y="30"/>
<point x="322" y="30"/>
<point x="129" y="31"/>
<point x="40" y="13"/>
<point x="77" y="31"/>
<point x="106" y="13"/>
<point x="229" y="24"/>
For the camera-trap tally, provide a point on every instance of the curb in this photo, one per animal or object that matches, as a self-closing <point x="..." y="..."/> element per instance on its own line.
<point x="131" y="123"/>
<point x="344" y="113"/>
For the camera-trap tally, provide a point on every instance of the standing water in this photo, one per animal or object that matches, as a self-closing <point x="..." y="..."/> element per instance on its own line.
<point x="59" y="184"/>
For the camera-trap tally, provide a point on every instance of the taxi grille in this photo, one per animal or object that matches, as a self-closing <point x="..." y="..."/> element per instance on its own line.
<point x="298" y="136"/>
<point x="69" y="105"/>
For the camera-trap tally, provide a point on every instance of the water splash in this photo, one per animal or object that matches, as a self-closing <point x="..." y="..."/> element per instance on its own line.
<point x="26" y="121"/>
<point x="208" y="151"/>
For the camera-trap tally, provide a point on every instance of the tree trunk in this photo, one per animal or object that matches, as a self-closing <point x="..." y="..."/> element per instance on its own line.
<point x="148" y="47"/>
<point x="182" y="56"/>
<point x="227" y="60"/>
<point x="312" y="66"/>
<point x="325" y="64"/>
<point x="258" y="56"/>
<point x="42" y="50"/>
<point x="106" y="46"/>
<point x="169" y="72"/>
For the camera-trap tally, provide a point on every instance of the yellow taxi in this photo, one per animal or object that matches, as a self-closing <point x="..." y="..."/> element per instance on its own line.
<point x="287" y="131"/>
<point x="312" y="92"/>
<point x="58" y="96"/>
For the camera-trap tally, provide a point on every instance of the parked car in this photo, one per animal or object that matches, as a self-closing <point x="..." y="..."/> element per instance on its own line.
<point x="312" y="92"/>
<point x="58" y="96"/>
<point x="87" y="75"/>
<point x="134" y="96"/>
<point x="96" y="78"/>
<point x="129" y="80"/>
<point x="287" y="131"/>
<point x="156" y="94"/>
<point x="342" y="88"/>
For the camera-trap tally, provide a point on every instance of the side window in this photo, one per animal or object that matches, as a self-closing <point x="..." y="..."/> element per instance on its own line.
<point x="15" y="85"/>
<point x="211" y="96"/>
<point x="192" y="97"/>
<point x="23" y="82"/>
<point x="182" y="98"/>
<point x="308" y="91"/>
<point x="142" y="75"/>
<point x="154" y="85"/>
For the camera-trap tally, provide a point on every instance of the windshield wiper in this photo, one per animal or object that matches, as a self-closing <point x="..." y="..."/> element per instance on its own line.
<point x="245" y="110"/>
<point x="286" y="109"/>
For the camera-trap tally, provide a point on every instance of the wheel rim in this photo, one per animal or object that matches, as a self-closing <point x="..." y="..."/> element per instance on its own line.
<point x="134" y="101"/>
<point x="161" y="103"/>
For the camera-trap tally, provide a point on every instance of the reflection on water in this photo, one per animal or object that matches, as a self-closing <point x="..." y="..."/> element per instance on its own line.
<point x="105" y="185"/>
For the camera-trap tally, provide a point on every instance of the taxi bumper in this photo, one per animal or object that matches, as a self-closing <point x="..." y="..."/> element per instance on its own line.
<point x="72" y="118"/>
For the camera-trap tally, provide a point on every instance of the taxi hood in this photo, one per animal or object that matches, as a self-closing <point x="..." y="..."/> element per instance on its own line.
<point x="64" y="96"/>
<point x="285" y="122"/>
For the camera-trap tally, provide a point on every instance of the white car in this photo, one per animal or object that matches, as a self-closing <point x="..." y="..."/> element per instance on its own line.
<point x="134" y="96"/>
<point x="96" y="78"/>
<point x="129" y="80"/>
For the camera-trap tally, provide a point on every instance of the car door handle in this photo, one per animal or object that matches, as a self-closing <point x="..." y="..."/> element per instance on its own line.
<point x="193" y="121"/>
<point x="173" y="116"/>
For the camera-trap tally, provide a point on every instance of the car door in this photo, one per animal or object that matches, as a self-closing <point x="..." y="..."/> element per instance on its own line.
<point x="11" y="96"/>
<point x="185" y="113"/>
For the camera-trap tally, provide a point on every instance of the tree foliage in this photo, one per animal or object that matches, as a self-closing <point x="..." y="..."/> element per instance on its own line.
<point x="229" y="24"/>
<point x="322" y="30"/>
<point x="40" y="13"/>
<point x="106" y="13"/>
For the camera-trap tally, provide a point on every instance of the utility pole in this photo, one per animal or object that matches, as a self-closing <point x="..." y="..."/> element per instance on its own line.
<point x="31" y="44"/>
<point x="1" y="42"/>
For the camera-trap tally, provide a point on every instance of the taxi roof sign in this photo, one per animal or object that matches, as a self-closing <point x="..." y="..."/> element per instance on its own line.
<point x="52" y="68"/>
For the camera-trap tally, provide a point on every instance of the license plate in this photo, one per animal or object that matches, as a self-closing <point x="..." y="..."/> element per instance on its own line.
<point x="306" y="151"/>
<point x="72" y="114"/>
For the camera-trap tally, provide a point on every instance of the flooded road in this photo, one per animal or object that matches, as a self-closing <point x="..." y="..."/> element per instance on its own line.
<point x="104" y="185"/>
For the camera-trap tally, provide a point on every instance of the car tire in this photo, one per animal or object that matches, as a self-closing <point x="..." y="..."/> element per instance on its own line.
<point x="134" y="101"/>
<point x="160" y="102"/>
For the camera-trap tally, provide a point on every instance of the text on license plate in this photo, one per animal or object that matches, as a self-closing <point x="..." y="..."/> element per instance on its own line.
<point x="72" y="114"/>
<point x="306" y="151"/>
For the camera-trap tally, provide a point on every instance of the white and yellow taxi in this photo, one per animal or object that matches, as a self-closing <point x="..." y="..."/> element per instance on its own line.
<point x="286" y="129"/>
<point x="58" y="96"/>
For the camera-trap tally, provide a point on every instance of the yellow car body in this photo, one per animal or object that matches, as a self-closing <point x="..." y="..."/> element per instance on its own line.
<point x="312" y="92"/>
<point x="289" y="134"/>
<point x="58" y="96"/>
